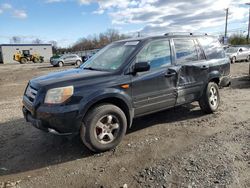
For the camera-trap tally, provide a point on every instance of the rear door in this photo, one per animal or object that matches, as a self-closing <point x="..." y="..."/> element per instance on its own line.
<point x="74" y="58"/>
<point x="71" y="59"/>
<point x="155" y="89"/>
<point x="244" y="53"/>
<point x="66" y="59"/>
<point x="240" y="54"/>
<point x="192" y="69"/>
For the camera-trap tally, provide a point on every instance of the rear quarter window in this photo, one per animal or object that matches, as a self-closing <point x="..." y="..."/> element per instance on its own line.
<point x="212" y="48"/>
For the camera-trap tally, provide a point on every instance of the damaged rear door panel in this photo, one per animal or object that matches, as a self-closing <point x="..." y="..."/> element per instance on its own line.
<point x="192" y="69"/>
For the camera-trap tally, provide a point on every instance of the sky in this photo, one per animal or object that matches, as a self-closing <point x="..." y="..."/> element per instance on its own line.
<point x="66" y="21"/>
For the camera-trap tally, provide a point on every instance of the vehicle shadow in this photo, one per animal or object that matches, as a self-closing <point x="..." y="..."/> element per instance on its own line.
<point x="24" y="148"/>
<point x="240" y="82"/>
<point x="176" y="114"/>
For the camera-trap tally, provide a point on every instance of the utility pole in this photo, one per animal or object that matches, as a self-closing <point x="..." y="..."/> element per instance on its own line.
<point x="226" y="24"/>
<point x="248" y="23"/>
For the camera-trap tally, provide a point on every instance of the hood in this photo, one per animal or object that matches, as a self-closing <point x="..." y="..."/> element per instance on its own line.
<point x="66" y="77"/>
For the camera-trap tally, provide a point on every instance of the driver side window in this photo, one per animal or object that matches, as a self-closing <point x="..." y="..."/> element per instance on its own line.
<point x="157" y="53"/>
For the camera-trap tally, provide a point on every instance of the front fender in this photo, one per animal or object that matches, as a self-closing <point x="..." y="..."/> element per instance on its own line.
<point x="87" y="102"/>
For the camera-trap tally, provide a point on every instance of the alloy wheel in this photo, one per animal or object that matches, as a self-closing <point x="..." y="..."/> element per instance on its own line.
<point x="213" y="97"/>
<point x="106" y="129"/>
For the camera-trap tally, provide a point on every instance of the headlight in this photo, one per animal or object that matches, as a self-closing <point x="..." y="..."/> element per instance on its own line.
<point x="58" y="95"/>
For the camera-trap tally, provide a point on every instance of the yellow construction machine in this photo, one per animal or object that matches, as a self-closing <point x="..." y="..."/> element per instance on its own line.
<point x="25" y="56"/>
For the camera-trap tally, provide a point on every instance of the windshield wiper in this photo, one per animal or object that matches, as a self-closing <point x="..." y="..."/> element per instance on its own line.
<point x="91" y="68"/>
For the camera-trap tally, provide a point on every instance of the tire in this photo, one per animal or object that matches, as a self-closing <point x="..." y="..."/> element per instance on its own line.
<point x="60" y="64"/>
<point x="78" y="63"/>
<point x="210" y="99"/>
<point x="36" y="60"/>
<point x="248" y="58"/>
<point x="233" y="60"/>
<point x="103" y="128"/>
<point x="23" y="60"/>
<point x="41" y="60"/>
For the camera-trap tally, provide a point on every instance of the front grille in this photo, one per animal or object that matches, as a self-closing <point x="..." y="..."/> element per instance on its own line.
<point x="31" y="93"/>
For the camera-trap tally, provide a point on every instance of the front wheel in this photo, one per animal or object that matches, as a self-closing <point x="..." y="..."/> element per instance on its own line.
<point x="210" y="100"/>
<point x="103" y="127"/>
<point x="23" y="60"/>
<point x="36" y="60"/>
<point x="60" y="64"/>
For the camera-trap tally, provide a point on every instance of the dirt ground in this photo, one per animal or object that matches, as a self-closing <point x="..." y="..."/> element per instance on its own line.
<point x="180" y="147"/>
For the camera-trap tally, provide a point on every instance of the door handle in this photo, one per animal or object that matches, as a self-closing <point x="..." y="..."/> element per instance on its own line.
<point x="204" y="67"/>
<point x="170" y="74"/>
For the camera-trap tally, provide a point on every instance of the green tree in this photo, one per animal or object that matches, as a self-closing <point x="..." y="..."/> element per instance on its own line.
<point x="237" y="39"/>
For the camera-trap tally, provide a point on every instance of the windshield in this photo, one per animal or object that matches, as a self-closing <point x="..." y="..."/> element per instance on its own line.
<point x="231" y="50"/>
<point x="111" y="57"/>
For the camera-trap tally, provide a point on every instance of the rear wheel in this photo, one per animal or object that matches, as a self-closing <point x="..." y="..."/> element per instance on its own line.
<point x="60" y="64"/>
<point x="210" y="100"/>
<point x="78" y="63"/>
<point x="233" y="60"/>
<point x="103" y="128"/>
<point x="41" y="59"/>
<point x="248" y="58"/>
<point x="23" y="60"/>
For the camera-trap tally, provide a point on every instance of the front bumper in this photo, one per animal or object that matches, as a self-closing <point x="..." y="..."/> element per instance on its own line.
<point x="54" y="119"/>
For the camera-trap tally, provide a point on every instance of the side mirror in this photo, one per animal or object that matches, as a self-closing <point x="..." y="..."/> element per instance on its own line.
<point x="141" y="67"/>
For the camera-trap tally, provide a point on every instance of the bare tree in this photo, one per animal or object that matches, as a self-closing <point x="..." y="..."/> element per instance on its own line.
<point x="15" y="40"/>
<point x="94" y="42"/>
<point x="37" y="41"/>
<point x="54" y="46"/>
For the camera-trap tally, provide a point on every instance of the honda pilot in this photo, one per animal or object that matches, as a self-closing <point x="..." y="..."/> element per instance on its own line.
<point x="125" y="80"/>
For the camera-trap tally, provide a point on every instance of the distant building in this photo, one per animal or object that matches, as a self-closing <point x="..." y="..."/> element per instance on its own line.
<point x="7" y="51"/>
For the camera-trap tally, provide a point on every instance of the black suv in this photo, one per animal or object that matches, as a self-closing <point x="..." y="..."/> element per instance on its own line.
<point x="125" y="80"/>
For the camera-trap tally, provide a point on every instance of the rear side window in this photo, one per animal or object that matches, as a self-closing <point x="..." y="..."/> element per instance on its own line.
<point x="185" y="50"/>
<point x="212" y="48"/>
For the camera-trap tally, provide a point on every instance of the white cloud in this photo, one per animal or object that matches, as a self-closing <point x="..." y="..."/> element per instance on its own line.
<point x="84" y="2"/>
<point x="170" y="15"/>
<point x="6" y="6"/>
<point x="16" y="13"/>
<point x="167" y="15"/>
<point x="20" y="14"/>
<point x="54" y="1"/>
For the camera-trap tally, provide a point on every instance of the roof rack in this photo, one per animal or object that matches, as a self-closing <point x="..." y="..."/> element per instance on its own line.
<point x="183" y="33"/>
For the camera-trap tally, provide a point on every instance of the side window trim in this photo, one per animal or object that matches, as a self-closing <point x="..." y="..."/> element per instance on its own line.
<point x="172" y="52"/>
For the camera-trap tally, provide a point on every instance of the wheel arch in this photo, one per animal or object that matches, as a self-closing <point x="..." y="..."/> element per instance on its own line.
<point x="214" y="77"/>
<point x="117" y="100"/>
